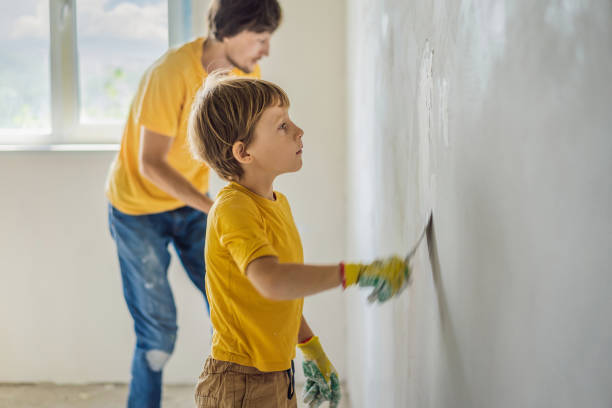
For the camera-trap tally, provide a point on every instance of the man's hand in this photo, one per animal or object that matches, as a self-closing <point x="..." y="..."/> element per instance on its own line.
<point x="322" y="383"/>
<point x="387" y="277"/>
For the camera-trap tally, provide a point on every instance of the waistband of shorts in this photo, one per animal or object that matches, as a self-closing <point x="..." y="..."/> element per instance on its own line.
<point x="219" y="366"/>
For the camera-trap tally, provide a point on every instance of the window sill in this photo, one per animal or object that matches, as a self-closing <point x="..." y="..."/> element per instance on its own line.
<point x="81" y="147"/>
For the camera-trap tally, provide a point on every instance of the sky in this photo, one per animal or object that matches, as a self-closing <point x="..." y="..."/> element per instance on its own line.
<point x="120" y="19"/>
<point x="129" y="34"/>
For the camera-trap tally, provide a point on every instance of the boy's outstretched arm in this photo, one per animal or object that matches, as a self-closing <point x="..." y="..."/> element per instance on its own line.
<point x="286" y="281"/>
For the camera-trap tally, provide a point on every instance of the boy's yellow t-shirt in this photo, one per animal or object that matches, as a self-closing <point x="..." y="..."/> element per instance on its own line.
<point x="249" y="329"/>
<point x="162" y="104"/>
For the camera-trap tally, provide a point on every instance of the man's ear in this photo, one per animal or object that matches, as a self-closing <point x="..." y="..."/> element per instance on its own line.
<point x="239" y="151"/>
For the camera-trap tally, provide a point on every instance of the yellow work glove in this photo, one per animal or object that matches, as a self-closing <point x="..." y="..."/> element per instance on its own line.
<point x="386" y="276"/>
<point x="322" y="383"/>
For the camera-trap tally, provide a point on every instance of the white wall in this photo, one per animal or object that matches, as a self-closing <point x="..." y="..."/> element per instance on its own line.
<point x="62" y="314"/>
<point x="497" y="115"/>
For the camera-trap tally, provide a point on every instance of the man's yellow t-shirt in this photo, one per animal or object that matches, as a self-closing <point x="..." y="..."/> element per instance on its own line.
<point x="249" y="329"/>
<point x="162" y="104"/>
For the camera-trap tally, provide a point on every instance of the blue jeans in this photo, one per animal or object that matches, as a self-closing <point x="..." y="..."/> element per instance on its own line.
<point x="142" y="246"/>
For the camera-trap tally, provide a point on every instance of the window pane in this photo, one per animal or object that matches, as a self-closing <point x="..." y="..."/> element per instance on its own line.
<point x="25" y="95"/>
<point x="117" y="41"/>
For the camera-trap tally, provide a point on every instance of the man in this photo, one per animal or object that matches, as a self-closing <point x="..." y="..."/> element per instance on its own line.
<point x="158" y="192"/>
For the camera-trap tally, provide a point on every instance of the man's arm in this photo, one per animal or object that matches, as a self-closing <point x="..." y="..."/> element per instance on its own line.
<point x="154" y="148"/>
<point x="287" y="281"/>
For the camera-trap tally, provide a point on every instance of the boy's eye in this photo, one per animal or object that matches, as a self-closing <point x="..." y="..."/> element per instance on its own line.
<point x="283" y="126"/>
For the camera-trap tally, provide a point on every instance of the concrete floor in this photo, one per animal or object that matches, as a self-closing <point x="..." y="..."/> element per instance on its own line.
<point x="48" y="395"/>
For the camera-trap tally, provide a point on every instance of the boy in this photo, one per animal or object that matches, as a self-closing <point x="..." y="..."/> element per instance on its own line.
<point x="256" y="278"/>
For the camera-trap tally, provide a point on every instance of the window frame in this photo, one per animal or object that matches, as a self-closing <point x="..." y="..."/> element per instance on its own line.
<point x="185" y="20"/>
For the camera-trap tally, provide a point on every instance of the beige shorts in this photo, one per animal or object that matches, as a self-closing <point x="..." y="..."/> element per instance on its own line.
<point x="228" y="385"/>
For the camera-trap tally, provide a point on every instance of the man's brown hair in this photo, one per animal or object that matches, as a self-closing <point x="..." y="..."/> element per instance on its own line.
<point x="225" y="111"/>
<point x="227" y="18"/>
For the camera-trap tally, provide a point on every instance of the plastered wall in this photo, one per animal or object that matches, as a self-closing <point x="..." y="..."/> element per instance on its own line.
<point x="496" y="115"/>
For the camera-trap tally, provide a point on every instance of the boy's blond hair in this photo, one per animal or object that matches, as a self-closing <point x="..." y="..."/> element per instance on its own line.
<point x="225" y="111"/>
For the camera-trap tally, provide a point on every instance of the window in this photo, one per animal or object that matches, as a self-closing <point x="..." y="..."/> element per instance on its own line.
<point x="25" y="94"/>
<point x="69" y="68"/>
<point x="117" y="41"/>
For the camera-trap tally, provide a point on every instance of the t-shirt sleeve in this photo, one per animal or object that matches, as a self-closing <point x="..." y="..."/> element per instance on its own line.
<point x="241" y="231"/>
<point x="162" y="100"/>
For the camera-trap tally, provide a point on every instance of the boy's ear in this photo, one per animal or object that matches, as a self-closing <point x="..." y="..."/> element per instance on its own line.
<point x="240" y="153"/>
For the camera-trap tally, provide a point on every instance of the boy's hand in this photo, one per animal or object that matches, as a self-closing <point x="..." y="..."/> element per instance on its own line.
<point x="322" y="383"/>
<point x="387" y="276"/>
